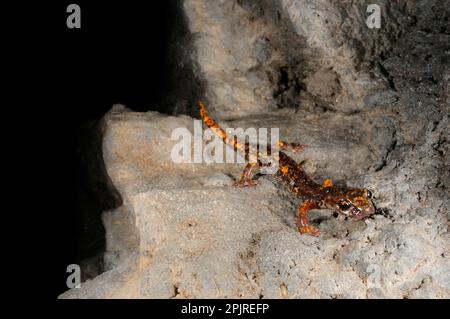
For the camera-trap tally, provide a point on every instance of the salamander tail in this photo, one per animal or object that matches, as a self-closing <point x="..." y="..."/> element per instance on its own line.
<point x="215" y="127"/>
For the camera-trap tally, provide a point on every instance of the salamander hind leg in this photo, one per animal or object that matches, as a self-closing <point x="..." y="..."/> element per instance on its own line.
<point x="246" y="177"/>
<point x="302" y="219"/>
<point x="294" y="147"/>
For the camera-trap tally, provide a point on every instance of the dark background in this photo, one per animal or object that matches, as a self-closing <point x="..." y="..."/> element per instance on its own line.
<point x="120" y="55"/>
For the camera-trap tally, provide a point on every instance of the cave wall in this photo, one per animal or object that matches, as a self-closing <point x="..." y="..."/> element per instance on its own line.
<point x="371" y="105"/>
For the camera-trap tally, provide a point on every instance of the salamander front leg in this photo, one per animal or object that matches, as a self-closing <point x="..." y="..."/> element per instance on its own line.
<point x="327" y="183"/>
<point x="294" y="147"/>
<point x="246" y="177"/>
<point x="302" y="219"/>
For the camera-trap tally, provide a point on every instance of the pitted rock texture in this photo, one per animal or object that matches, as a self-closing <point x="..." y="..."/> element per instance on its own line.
<point x="371" y="105"/>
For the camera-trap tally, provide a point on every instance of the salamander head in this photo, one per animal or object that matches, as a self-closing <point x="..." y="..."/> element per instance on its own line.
<point x="355" y="203"/>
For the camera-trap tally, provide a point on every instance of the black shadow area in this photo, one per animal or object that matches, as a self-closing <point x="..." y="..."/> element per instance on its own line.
<point x="120" y="55"/>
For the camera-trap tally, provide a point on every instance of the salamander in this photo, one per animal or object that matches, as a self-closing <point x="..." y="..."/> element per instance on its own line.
<point x="352" y="202"/>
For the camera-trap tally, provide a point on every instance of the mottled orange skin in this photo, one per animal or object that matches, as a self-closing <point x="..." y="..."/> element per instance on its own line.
<point x="352" y="202"/>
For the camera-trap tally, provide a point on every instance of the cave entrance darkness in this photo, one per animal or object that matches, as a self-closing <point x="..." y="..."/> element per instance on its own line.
<point x="124" y="53"/>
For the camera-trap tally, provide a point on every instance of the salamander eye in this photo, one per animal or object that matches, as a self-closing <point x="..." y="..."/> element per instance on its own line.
<point x="368" y="194"/>
<point x="344" y="205"/>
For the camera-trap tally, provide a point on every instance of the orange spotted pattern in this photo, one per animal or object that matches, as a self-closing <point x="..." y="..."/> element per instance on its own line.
<point x="351" y="202"/>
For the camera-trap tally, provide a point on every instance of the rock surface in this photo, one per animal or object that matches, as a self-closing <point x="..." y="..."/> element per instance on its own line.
<point x="373" y="108"/>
